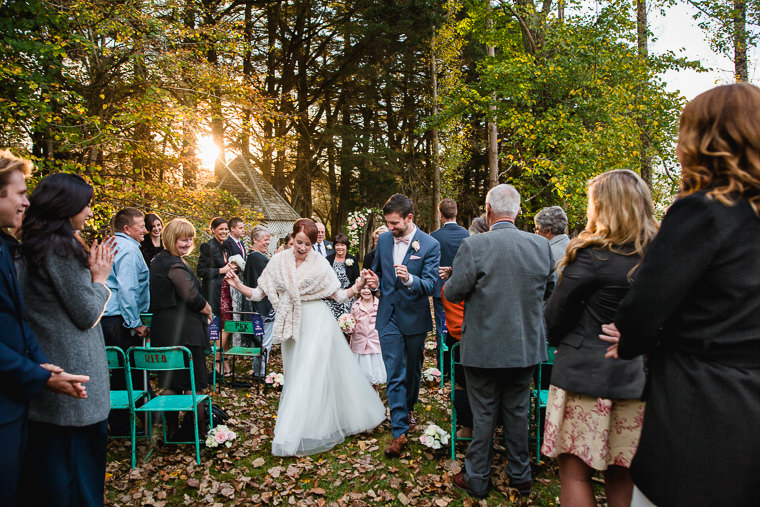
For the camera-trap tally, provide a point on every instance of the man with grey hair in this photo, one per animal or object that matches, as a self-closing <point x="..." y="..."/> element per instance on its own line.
<point x="551" y="223"/>
<point x="504" y="277"/>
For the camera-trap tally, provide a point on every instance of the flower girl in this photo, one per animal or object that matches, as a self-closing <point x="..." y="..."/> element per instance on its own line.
<point x="365" y="342"/>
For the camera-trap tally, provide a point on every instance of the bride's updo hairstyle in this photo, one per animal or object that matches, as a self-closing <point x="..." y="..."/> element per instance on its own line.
<point x="307" y="227"/>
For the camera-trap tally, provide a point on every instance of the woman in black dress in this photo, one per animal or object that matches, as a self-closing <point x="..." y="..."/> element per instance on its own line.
<point x="346" y="266"/>
<point x="152" y="244"/>
<point x="180" y="312"/>
<point x="213" y="264"/>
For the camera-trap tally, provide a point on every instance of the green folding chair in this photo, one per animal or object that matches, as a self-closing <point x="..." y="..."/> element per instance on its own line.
<point x="540" y="397"/>
<point x="168" y="359"/>
<point x="454" y="439"/>
<point x="246" y="327"/>
<point x="444" y="332"/>
<point x="123" y="399"/>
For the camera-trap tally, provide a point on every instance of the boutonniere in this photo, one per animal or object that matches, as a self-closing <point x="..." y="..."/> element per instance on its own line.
<point x="416" y="245"/>
<point x="329" y="247"/>
<point x="349" y="262"/>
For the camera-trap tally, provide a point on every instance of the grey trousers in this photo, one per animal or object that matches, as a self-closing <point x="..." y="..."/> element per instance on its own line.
<point x="493" y="391"/>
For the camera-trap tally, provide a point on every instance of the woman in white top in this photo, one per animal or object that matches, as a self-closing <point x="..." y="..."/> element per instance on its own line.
<point x="325" y="395"/>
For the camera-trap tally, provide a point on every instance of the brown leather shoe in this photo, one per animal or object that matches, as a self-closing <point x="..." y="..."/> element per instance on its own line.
<point x="460" y="483"/>
<point x="412" y="421"/>
<point x="396" y="446"/>
<point x="523" y="488"/>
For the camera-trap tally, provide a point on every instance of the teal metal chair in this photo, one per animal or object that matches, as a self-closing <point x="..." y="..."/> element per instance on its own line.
<point x="252" y="327"/>
<point x="454" y="439"/>
<point x="540" y="397"/>
<point x="168" y="359"/>
<point x="444" y="347"/>
<point x="124" y="399"/>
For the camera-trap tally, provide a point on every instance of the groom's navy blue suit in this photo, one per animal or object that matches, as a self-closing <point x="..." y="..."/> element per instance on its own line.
<point x="403" y="320"/>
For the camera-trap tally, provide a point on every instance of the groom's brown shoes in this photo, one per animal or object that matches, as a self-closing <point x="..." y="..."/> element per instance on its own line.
<point x="396" y="446"/>
<point x="460" y="483"/>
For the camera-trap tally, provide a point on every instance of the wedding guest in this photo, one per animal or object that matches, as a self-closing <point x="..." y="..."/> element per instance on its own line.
<point x="551" y="223"/>
<point x="324" y="248"/>
<point x="257" y="261"/>
<point x="26" y="369"/>
<point x="594" y="411"/>
<point x="285" y="243"/>
<point x="449" y="236"/>
<point x="213" y="265"/>
<point x="234" y="241"/>
<point x="694" y="310"/>
<point x="479" y="225"/>
<point x="369" y="258"/>
<point x="152" y="244"/>
<point x="365" y="340"/>
<point x="64" y="287"/>
<point x="511" y="270"/>
<point x="180" y="312"/>
<point x="129" y="283"/>
<point x="346" y="266"/>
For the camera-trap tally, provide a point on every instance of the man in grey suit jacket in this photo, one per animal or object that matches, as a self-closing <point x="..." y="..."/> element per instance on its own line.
<point x="504" y="276"/>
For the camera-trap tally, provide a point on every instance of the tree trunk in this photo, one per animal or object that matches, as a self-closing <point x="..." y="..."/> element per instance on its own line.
<point x="645" y="148"/>
<point x="493" y="135"/>
<point x="436" y="218"/>
<point x="740" y="40"/>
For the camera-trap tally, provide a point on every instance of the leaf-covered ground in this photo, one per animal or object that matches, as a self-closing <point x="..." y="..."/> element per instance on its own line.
<point x="353" y="473"/>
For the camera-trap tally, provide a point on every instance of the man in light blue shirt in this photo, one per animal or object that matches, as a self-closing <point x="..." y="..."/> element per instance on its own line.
<point x="129" y="283"/>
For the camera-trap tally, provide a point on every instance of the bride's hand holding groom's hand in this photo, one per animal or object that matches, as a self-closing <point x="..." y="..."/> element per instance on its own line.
<point x="370" y="278"/>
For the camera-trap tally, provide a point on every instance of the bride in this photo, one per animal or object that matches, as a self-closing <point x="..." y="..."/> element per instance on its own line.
<point x="325" y="395"/>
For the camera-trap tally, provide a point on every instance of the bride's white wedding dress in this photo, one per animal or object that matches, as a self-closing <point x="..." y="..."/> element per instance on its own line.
<point x="325" y="396"/>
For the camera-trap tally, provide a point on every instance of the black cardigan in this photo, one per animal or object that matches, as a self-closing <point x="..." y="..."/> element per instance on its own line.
<point x="254" y="266"/>
<point x="213" y="256"/>
<point x="352" y="271"/>
<point x="694" y="308"/>
<point x="587" y="297"/>
<point x="176" y="303"/>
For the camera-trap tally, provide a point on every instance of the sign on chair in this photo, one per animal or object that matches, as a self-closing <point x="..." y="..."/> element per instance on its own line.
<point x="213" y="330"/>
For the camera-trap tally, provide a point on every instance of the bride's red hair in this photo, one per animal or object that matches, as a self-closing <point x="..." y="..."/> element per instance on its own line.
<point x="306" y="226"/>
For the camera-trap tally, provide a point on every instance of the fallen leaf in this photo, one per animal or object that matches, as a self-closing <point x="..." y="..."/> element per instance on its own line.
<point x="193" y="483"/>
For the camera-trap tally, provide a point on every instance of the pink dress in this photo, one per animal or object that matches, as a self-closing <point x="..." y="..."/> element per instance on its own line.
<point x="365" y="342"/>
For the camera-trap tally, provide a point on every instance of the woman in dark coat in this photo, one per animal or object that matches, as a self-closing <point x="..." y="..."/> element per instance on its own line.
<point x="694" y="309"/>
<point x="180" y="312"/>
<point x="213" y="264"/>
<point x="255" y="263"/>
<point x="346" y="266"/>
<point x="152" y="244"/>
<point x="594" y="411"/>
<point x="369" y="258"/>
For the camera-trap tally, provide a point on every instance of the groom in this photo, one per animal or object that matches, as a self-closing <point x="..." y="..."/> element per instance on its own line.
<point x="405" y="271"/>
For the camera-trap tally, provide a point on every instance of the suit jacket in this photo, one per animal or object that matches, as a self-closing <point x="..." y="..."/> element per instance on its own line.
<point x="409" y="306"/>
<point x="328" y="246"/>
<point x="352" y="271"/>
<point x="21" y="376"/>
<point x="449" y="236"/>
<point x="213" y="257"/>
<point x="233" y="248"/>
<point x="503" y="276"/>
<point x="587" y="297"/>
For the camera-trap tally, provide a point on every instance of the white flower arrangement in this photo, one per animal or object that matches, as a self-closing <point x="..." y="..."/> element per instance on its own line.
<point x="416" y="245"/>
<point x="431" y="375"/>
<point x="430" y="345"/>
<point x="221" y="435"/>
<point x="275" y="379"/>
<point x="329" y="247"/>
<point x="346" y="322"/>
<point x="434" y="437"/>
<point x="349" y="262"/>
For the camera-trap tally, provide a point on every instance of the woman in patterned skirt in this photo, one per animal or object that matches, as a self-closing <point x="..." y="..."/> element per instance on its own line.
<point x="594" y="413"/>
<point x="346" y="266"/>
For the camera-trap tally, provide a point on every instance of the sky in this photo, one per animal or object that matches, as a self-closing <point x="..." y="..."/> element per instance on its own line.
<point x="678" y="31"/>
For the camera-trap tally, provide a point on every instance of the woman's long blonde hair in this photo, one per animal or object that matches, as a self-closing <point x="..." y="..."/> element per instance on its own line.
<point x="719" y="145"/>
<point x="620" y="213"/>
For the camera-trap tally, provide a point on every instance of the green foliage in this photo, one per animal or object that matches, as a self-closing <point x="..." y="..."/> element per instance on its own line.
<point x="575" y="107"/>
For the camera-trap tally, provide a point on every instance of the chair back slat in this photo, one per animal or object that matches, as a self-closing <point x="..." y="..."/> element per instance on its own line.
<point x="158" y="358"/>
<point x="112" y="355"/>
<point x="146" y="318"/>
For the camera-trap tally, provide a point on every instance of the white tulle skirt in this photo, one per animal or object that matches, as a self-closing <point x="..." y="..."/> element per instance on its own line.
<point x="325" y="396"/>
<point x="372" y="366"/>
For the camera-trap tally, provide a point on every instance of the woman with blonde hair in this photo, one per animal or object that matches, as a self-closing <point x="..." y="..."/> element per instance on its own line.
<point x="594" y="414"/>
<point x="694" y="310"/>
<point x="180" y="312"/>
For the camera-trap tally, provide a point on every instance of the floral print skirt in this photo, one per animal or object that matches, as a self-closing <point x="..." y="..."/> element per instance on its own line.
<point x="599" y="431"/>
